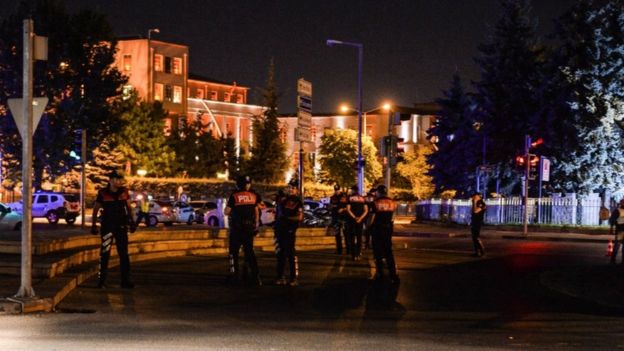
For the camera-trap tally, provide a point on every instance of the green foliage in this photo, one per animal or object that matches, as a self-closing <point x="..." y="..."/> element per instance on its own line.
<point x="142" y="140"/>
<point x="198" y="153"/>
<point x="309" y="175"/>
<point x="105" y="159"/>
<point x="415" y="169"/>
<point x="338" y="154"/>
<point x="268" y="153"/>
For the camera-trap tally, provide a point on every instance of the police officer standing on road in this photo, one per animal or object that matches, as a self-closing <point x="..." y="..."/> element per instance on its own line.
<point x="143" y="205"/>
<point x="242" y="207"/>
<point x="117" y="220"/>
<point x="616" y="222"/>
<point x="381" y="232"/>
<point x="338" y="204"/>
<point x="357" y="211"/>
<point x="476" y="221"/>
<point x="290" y="213"/>
<point x="370" y="199"/>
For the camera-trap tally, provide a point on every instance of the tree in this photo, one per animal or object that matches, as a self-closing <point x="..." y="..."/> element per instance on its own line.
<point x="511" y="72"/>
<point x="198" y="152"/>
<point x="78" y="78"/>
<point x="232" y="162"/>
<point x="105" y="159"/>
<point x="583" y="99"/>
<point x="338" y="154"/>
<point x="142" y="141"/>
<point x="268" y="153"/>
<point x="415" y="169"/>
<point x="458" y="144"/>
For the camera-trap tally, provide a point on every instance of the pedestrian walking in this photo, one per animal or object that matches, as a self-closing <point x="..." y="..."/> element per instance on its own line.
<point x="290" y="210"/>
<point x="338" y="205"/>
<point x="243" y="209"/>
<point x="143" y="204"/>
<point x="117" y="221"/>
<point x="356" y="210"/>
<point x="616" y="222"/>
<point x="381" y="234"/>
<point x="476" y="221"/>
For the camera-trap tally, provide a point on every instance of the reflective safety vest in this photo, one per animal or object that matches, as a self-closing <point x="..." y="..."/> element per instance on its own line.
<point x="620" y="219"/>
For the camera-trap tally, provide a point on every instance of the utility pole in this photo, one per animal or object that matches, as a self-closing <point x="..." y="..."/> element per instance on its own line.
<point x="527" y="170"/>
<point x="83" y="176"/>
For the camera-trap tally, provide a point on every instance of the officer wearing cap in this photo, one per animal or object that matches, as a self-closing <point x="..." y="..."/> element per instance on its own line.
<point x="117" y="220"/>
<point x="337" y="205"/>
<point x="356" y="212"/>
<point x="290" y="213"/>
<point x="242" y="207"/>
<point x="370" y="199"/>
<point x="381" y="233"/>
<point x="476" y="221"/>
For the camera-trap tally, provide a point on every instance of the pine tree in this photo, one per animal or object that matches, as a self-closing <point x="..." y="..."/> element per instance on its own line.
<point x="590" y="79"/>
<point x="105" y="159"/>
<point x="458" y="149"/>
<point x="268" y="153"/>
<point x="511" y="71"/>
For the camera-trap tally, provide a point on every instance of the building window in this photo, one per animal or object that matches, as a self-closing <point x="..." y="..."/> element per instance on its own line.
<point x="283" y="135"/>
<point x="126" y="91"/>
<point x="127" y="62"/>
<point x="167" y="64"/>
<point x="168" y="93"/>
<point x="313" y="133"/>
<point x="200" y="94"/>
<point x="239" y="99"/>
<point x="226" y="97"/>
<point x="214" y="95"/>
<point x="158" y="63"/>
<point x="177" y="94"/>
<point x="158" y="92"/>
<point x="177" y="65"/>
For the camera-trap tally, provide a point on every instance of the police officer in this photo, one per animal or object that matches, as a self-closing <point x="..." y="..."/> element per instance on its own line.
<point x="476" y="221"/>
<point x="356" y="212"/>
<point x="338" y="204"/>
<point x="117" y="220"/>
<point x="381" y="232"/>
<point x="143" y="203"/>
<point x="370" y="199"/>
<point x="290" y="213"/>
<point x="242" y="207"/>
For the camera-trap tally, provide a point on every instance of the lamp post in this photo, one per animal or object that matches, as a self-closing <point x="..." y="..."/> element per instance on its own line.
<point x="360" y="165"/>
<point x="150" y="63"/>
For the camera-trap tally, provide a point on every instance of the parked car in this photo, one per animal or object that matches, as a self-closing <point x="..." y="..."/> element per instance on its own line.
<point x="52" y="206"/>
<point x="207" y="212"/>
<point x="267" y="214"/>
<point x="183" y="212"/>
<point x="9" y="219"/>
<point x="312" y="205"/>
<point x="159" y="212"/>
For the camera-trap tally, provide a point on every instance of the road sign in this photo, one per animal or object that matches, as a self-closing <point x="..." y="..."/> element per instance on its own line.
<point x="304" y="119"/>
<point x="303" y="135"/>
<point x="15" y="105"/>
<point x="545" y="169"/>
<point x="304" y="88"/>
<point x="304" y="103"/>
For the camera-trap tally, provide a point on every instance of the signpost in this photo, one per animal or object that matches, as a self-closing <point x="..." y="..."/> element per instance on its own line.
<point x="304" y="122"/>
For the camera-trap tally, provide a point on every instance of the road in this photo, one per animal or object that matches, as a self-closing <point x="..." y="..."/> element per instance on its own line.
<point x="516" y="298"/>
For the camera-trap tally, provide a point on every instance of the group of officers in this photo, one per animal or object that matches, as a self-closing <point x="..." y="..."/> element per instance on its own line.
<point x="353" y="215"/>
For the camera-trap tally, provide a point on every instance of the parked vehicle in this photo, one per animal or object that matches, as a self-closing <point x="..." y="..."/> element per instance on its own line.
<point x="207" y="212"/>
<point x="267" y="214"/>
<point x="9" y="219"/>
<point x="52" y="206"/>
<point x="183" y="212"/>
<point x="160" y="212"/>
<point x="312" y="205"/>
<point x="320" y="217"/>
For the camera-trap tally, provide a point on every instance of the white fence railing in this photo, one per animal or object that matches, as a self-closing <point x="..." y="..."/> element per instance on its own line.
<point x="561" y="210"/>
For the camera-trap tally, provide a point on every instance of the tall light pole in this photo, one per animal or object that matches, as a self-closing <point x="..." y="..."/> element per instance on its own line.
<point x="150" y="63"/>
<point x="360" y="163"/>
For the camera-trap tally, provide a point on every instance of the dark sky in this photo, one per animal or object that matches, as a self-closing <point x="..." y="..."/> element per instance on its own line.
<point x="411" y="47"/>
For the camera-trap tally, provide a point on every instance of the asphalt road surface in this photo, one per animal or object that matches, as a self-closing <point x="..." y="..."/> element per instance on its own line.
<point x="515" y="298"/>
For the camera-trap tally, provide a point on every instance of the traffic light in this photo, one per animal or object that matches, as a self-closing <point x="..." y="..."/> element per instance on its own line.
<point x="533" y="165"/>
<point x="400" y="150"/>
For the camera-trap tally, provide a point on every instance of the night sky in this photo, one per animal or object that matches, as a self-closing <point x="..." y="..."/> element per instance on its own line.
<point x="411" y="47"/>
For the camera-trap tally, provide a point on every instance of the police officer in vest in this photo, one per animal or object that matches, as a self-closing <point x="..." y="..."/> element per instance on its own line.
<point x="117" y="220"/>
<point x="381" y="233"/>
<point x="616" y="222"/>
<point x="143" y="204"/>
<point x="370" y="199"/>
<point x="290" y="213"/>
<point x="356" y="212"/>
<point x="338" y="204"/>
<point x="242" y="207"/>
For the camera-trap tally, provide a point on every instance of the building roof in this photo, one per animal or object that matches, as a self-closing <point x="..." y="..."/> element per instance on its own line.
<point x="428" y="108"/>
<point x="139" y="37"/>
<point x="197" y="77"/>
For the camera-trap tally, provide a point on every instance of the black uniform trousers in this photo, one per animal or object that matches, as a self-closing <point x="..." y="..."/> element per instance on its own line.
<point x="475" y="230"/>
<point x="242" y="234"/>
<point x="119" y="234"/>
<point x="142" y="215"/>
<point x="382" y="248"/>
<point x="285" y="237"/>
<point x="354" y="237"/>
<point x="338" y="225"/>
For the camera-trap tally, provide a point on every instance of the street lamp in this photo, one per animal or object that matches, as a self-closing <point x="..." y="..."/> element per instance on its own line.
<point x="360" y="48"/>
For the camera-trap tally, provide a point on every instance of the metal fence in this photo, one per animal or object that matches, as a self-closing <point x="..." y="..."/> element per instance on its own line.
<point x="559" y="210"/>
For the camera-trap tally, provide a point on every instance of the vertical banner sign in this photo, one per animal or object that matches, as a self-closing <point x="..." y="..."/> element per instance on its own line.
<point x="545" y="169"/>
<point x="304" y="122"/>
